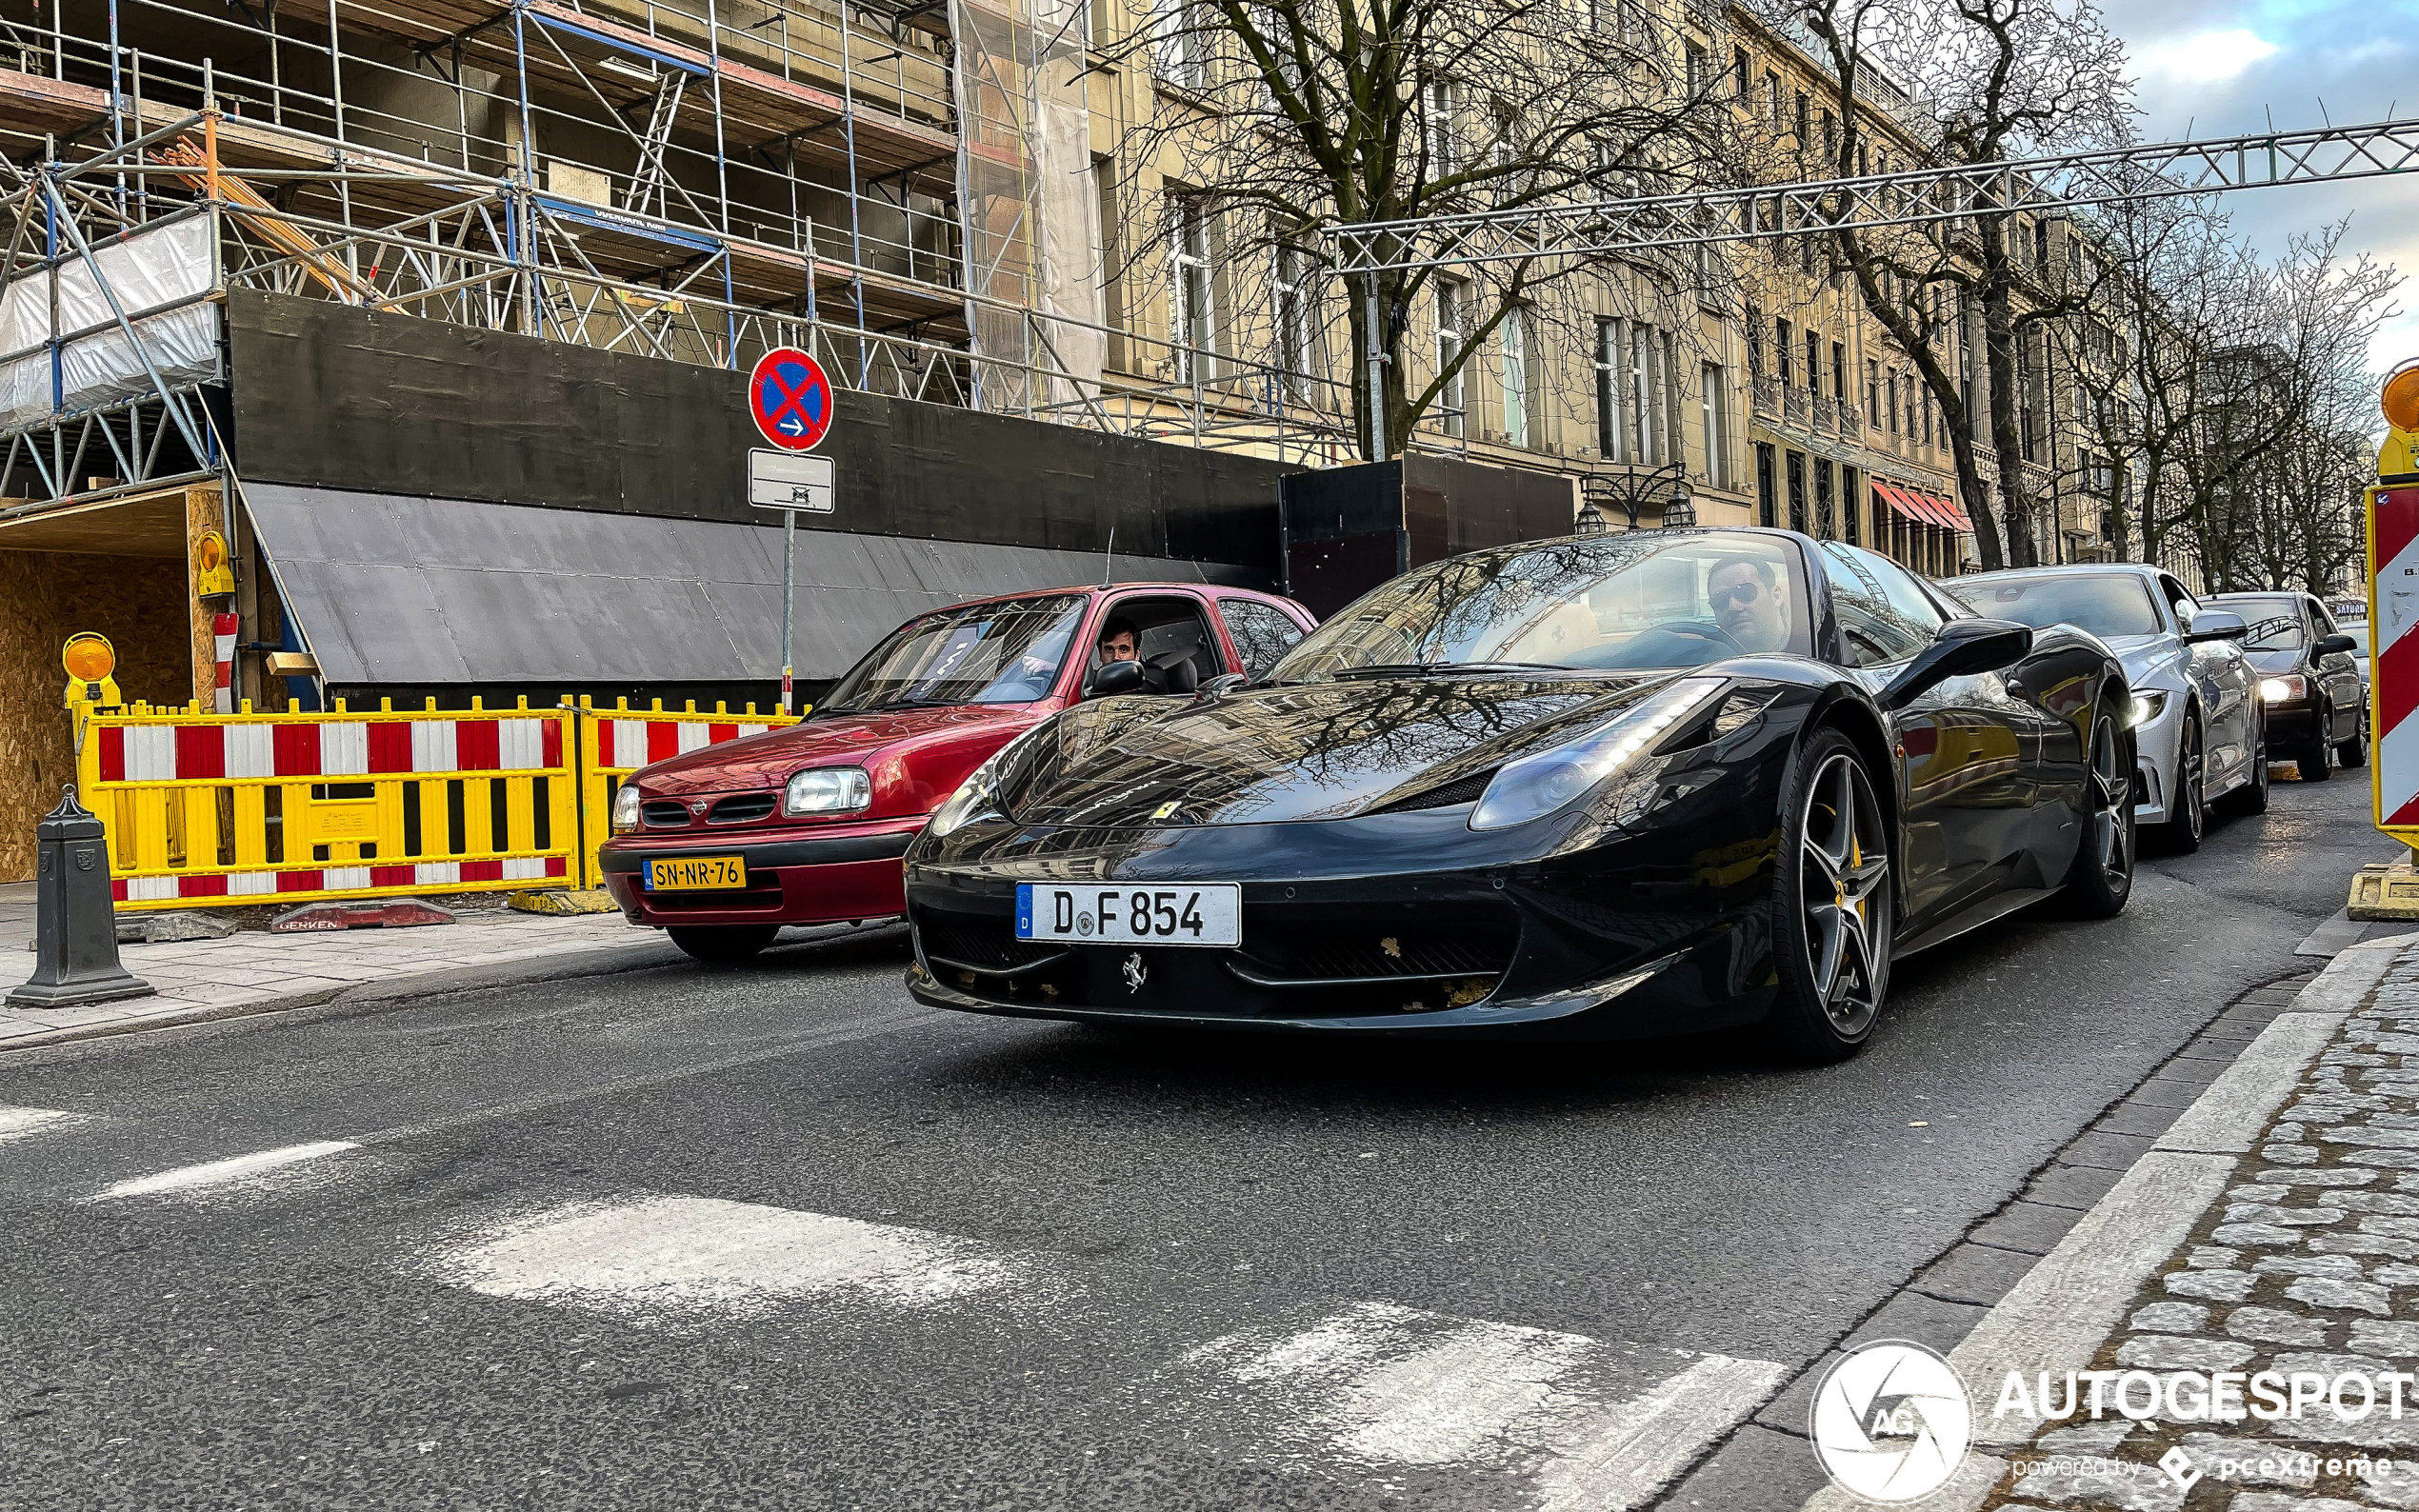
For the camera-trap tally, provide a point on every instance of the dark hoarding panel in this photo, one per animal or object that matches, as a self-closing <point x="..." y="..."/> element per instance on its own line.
<point x="326" y="395"/>
<point x="393" y="590"/>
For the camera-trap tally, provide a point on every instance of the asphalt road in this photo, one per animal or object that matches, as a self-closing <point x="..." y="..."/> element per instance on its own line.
<point x="778" y="1238"/>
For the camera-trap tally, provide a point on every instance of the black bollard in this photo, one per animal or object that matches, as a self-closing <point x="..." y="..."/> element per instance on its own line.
<point x="75" y="926"/>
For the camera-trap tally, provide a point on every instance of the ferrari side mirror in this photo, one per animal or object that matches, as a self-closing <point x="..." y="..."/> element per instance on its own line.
<point x="1963" y="649"/>
<point x="1111" y="678"/>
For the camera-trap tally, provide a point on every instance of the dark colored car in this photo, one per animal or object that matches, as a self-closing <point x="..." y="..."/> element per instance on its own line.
<point x="2311" y="689"/>
<point x="1633" y="784"/>
<point x="723" y="845"/>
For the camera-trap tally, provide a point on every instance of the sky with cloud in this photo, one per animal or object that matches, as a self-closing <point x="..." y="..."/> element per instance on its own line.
<point x="2212" y="68"/>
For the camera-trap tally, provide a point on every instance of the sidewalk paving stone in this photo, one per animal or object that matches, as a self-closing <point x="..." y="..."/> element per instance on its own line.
<point x="2308" y="1261"/>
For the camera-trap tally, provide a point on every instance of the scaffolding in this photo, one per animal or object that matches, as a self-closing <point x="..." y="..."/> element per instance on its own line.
<point x="691" y="180"/>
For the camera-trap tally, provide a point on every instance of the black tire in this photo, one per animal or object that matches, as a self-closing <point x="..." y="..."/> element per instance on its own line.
<point x="1833" y="906"/>
<point x="2353" y="753"/>
<point x="2187" y="805"/>
<point x="2252" y="798"/>
<point x="723" y="943"/>
<point x="2101" y="878"/>
<point x="2311" y="756"/>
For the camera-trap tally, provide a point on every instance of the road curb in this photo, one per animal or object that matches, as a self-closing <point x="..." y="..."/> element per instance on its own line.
<point x="604" y="961"/>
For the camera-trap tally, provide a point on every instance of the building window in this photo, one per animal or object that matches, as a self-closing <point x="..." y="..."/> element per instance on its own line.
<point x="1813" y="361"/>
<point x="1438" y="99"/>
<point x="1188" y="264"/>
<point x="1825" y="527"/>
<point x="1831" y="137"/>
<point x="1715" y="418"/>
<point x="1449" y="401"/>
<point x="1645" y="396"/>
<point x="1851" y="505"/>
<point x="1738" y="74"/>
<point x="1797" y="491"/>
<point x="1298" y="318"/>
<point x="1700" y="67"/>
<point x="1873" y="393"/>
<point x="1754" y="342"/>
<point x="1839" y="372"/>
<point x="1798" y="124"/>
<point x="1609" y="387"/>
<point x="1767" y="504"/>
<point x="1515" y="336"/>
<point x="1773" y="100"/>
<point x="1781" y="347"/>
<point x="1183" y="43"/>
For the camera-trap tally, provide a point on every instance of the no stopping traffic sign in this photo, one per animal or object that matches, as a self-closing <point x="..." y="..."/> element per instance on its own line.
<point x="790" y="398"/>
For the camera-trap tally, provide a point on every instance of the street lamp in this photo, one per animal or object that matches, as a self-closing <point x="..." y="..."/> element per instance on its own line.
<point x="1664" y="489"/>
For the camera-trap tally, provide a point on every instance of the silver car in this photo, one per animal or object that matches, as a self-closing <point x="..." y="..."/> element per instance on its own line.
<point x="2197" y="726"/>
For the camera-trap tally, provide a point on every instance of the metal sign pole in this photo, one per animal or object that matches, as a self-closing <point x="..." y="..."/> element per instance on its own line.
<point x="789" y="598"/>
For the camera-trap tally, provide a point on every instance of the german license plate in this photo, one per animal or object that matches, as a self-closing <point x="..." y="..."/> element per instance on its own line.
<point x="696" y="873"/>
<point x="1194" y="913"/>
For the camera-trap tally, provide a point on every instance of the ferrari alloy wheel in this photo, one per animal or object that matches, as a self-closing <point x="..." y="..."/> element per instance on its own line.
<point x="2102" y="875"/>
<point x="2187" y="807"/>
<point x="1836" y="903"/>
<point x="722" y="943"/>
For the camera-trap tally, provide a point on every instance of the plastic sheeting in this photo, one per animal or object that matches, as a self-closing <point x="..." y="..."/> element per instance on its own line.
<point x="1028" y="200"/>
<point x="147" y="270"/>
<point x="390" y="589"/>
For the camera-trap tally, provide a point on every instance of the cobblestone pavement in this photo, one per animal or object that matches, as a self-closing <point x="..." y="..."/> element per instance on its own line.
<point x="2310" y="1265"/>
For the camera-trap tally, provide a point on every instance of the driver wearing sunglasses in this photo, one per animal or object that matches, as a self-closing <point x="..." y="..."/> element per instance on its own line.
<point x="1749" y="603"/>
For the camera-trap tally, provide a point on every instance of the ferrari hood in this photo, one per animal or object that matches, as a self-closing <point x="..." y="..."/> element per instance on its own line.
<point x="1324" y="750"/>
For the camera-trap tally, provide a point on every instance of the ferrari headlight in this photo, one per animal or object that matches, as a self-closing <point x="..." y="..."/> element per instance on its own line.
<point x="1539" y="784"/>
<point x="2148" y="706"/>
<point x="625" y="808"/>
<point x="979" y="797"/>
<point x="2287" y="689"/>
<point x="826" y="790"/>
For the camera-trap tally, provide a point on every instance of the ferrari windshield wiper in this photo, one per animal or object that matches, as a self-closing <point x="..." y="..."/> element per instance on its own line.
<point x="1440" y="668"/>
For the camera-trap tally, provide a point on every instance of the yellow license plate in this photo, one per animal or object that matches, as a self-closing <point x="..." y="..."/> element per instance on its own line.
<point x="696" y="873"/>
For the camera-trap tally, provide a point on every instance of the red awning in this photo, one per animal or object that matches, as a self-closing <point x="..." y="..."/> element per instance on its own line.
<point x="1924" y="508"/>
<point x="1898" y="500"/>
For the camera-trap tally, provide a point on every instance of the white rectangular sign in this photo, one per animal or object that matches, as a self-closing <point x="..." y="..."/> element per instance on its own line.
<point x="791" y="480"/>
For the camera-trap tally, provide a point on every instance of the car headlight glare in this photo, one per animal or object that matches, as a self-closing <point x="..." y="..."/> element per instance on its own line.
<point x="1538" y="784"/>
<point x="2282" y="690"/>
<point x="2148" y="706"/>
<point x="625" y="808"/>
<point x="826" y="790"/>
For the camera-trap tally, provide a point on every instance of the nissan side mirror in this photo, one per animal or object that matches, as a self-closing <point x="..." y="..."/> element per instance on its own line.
<point x="2215" y="624"/>
<point x="1111" y="678"/>
<point x="1963" y="649"/>
<point x="1221" y="685"/>
<point x="2336" y="644"/>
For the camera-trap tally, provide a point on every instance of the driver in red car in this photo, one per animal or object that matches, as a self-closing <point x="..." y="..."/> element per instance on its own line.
<point x="1118" y="642"/>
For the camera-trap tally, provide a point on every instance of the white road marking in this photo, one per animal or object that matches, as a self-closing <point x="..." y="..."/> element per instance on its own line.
<point x="217" y="1173"/>
<point x="1592" y="1426"/>
<point x="17" y="1122"/>
<point x="691" y="1254"/>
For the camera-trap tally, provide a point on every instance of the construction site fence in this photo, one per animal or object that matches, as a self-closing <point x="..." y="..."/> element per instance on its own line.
<point x="209" y="809"/>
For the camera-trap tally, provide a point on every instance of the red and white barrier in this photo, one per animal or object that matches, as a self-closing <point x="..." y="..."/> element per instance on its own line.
<point x="2395" y="563"/>
<point x="365" y="747"/>
<point x="629" y="744"/>
<point x="223" y="637"/>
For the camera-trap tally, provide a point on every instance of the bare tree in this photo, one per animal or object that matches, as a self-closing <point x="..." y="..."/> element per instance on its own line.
<point x="1278" y="116"/>
<point x="1975" y="81"/>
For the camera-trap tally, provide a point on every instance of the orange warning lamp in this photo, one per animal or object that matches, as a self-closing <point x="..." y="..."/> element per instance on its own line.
<point x="87" y="657"/>
<point x="2399" y="399"/>
<point x="213" y="577"/>
<point x="89" y="660"/>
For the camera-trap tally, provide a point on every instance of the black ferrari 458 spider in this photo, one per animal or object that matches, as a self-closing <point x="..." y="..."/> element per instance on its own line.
<point x="1631" y="785"/>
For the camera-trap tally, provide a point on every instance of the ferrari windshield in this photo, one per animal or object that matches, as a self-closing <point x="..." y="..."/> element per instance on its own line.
<point x="1006" y="652"/>
<point x="2106" y="603"/>
<point x="2275" y="624"/>
<point x="1648" y="599"/>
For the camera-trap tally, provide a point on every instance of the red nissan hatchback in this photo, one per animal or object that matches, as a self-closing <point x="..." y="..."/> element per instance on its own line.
<point x="722" y="846"/>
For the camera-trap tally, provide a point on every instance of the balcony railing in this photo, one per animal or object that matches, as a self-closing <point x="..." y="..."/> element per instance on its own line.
<point x="1766" y="394"/>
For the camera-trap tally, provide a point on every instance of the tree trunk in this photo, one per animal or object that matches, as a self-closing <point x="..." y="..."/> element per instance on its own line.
<point x="2006" y="443"/>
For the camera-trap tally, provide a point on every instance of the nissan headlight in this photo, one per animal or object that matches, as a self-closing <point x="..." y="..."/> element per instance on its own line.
<point x="2148" y="706"/>
<point x="2287" y="689"/>
<point x="625" y="808"/>
<point x="1549" y="781"/>
<point x="826" y="790"/>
